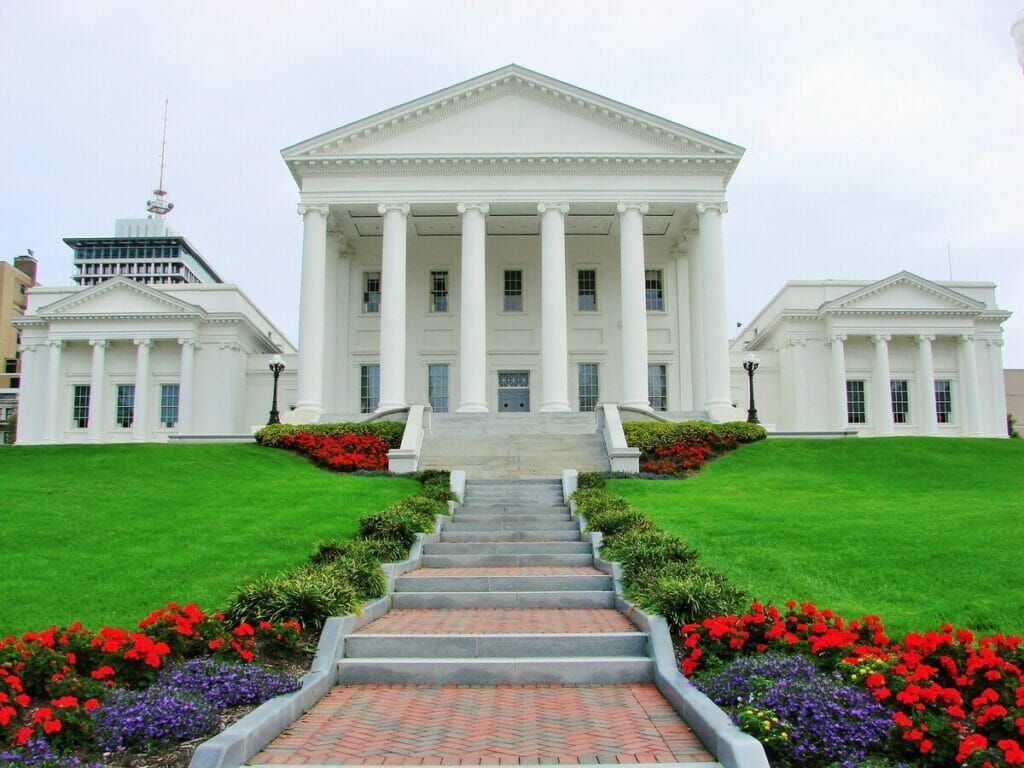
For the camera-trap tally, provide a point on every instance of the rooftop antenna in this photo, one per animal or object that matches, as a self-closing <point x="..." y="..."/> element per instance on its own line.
<point x="159" y="205"/>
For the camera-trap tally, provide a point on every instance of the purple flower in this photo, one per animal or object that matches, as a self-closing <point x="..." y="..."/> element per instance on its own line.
<point x="156" y="715"/>
<point x="37" y="753"/>
<point x="224" y="683"/>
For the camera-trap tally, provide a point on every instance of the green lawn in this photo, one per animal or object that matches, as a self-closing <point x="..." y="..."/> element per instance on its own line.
<point x="917" y="530"/>
<point x="105" y="534"/>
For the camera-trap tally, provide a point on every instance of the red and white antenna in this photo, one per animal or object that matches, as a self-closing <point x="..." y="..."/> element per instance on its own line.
<point x="159" y="205"/>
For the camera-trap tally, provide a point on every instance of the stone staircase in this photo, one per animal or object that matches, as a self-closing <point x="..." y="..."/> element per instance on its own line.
<point x="505" y="445"/>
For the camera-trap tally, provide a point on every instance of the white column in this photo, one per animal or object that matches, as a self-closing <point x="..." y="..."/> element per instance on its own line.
<point x="839" y="415"/>
<point x="969" y="377"/>
<point x="634" y="305"/>
<point x="97" y="389"/>
<point x="995" y="354"/>
<point x="797" y="384"/>
<point x="392" y="306"/>
<point x="186" y="385"/>
<point x="882" y="406"/>
<point x="717" y="393"/>
<point x="927" y="421"/>
<point x="339" y="289"/>
<point x="54" y="379"/>
<point x="696" y="328"/>
<point x="312" y="294"/>
<point x="682" y="248"/>
<point x="554" y="343"/>
<point x="473" y="310"/>
<point x="140" y="418"/>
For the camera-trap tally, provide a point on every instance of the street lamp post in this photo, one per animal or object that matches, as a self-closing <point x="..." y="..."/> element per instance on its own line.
<point x="750" y="365"/>
<point x="276" y="367"/>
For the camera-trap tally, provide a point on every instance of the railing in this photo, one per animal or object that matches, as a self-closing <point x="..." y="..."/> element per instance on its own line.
<point x="406" y="459"/>
<point x="645" y="412"/>
<point x="622" y="457"/>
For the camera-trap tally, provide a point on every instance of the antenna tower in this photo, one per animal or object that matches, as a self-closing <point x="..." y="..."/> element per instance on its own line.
<point x="159" y="205"/>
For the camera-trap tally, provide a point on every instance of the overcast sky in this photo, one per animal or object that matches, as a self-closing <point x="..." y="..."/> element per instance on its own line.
<point x="877" y="134"/>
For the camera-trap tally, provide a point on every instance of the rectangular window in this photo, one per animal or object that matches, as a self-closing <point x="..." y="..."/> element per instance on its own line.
<point x="588" y="388"/>
<point x="437" y="387"/>
<point x="657" y="387"/>
<point x="653" y="290"/>
<point x="80" y="406"/>
<point x="369" y="388"/>
<point x="586" y="282"/>
<point x="900" y="397"/>
<point x="856" y="413"/>
<point x="439" y="291"/>
<point x="125" y="411"/>
<point x="169" y="394"/>
<point x="943" y="401"/>
<point x="371" y="292"/>
<point x="11" y="365"/>
<point x="513" y="296"/>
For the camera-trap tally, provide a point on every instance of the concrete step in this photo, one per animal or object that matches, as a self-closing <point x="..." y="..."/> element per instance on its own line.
<point x="558" y="599"/>
<point x="555" y="516"/>
<point x="504" y="583"/>
<point x="469" y="646"/>
<point x="508" y="548"/>
<point x="515" y="525"/>
<point x="503" y="507"/>
<point x="496" y="671"/>
<point x="506" y="560"/>
<point x="526" y="535"/>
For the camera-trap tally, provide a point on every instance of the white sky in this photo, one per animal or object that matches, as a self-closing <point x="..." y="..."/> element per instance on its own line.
<point x="877" y="133"/>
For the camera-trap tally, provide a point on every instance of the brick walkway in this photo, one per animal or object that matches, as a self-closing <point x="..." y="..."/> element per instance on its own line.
<point x="485" y="621"/>
<point x="487" y="725"/>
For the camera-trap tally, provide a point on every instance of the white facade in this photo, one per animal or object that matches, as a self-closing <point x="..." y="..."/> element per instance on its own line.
<point x="513" y="191"/>
<point x="122" y="361"/>
<point x="900" y="356"/>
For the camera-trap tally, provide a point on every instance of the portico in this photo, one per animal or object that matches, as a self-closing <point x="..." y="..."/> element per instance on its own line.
<point x="513" y="223"/>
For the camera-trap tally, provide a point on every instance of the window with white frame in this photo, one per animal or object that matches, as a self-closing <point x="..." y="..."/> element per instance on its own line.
<point x="657" y="386"/>
<point x="124" y="412"/>
<point x="512" y="297"/>
<point x="80" y="406"/>
<point x="169" y="394"/>
<point x="900" y="397"/>
<point x="943" y="401"/>
<point x="654" y="291"/>
<point x="371" y="292"/>
<point x="369" y="388"/>
<point x="586" y="288"/>
<point x="437" y="387"/>
<point x="439" y="291"/>
<point x="856" y="412"/>
<point x="588" y="386"/>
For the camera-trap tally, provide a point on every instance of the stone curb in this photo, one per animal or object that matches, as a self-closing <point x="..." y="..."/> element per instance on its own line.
<point x="731" y="747"/>
<point x="236" y="744"/>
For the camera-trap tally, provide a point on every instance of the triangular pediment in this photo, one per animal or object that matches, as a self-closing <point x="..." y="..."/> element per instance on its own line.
<point x="514" y="111"/>
<point x="119" y="297"/>
<point x="903" y="292"/>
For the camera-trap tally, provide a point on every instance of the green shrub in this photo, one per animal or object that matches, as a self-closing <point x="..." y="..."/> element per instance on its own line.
<point x="687" y="592"/>
<point x="307" y="595"/>
<point x="586" y="481"/>
<point x="643" y="551"/>
<point x="395" y="524"/>
<point x="650" y="435"/>
<point x="616" y="521"/>
<point x="742" y="431"/>
<point x="439" y="488"/>
<point x="361" y="572"/>
<point x="327" y="551"/>
<point x="388" y="431"/>
<point x="422" y="507"/>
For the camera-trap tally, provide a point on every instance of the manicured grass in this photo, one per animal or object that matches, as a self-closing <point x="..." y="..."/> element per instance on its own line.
<point x="105" y="534"/>
<point x="916" y="530"/>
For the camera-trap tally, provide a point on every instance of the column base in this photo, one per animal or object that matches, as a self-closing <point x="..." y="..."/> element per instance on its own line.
<point x="558" y="407"/>
<point x="390" y="406"/>
<point x="473" y="407"/>
<point x="724" y="412"/>
<point x="642" y="405"/>
<point x="304" y="413"/>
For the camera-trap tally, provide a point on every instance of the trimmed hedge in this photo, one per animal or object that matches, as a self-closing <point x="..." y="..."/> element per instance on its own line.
<point x="647" y="435"/>
<point x="388" y="431"/>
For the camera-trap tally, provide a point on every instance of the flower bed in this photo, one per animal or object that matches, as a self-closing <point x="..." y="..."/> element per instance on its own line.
<point x="341" y="446"/>
<point x="952" y="698"/>
<point x="683" y="448"/>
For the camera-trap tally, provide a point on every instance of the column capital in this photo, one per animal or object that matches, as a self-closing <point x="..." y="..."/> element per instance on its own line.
<point x="322" y="208"/>
<point x="994" y="342"/>
<point x="837" y="337"/>
<point x="878" y="338"/>
<point x="921" y="338"/>
<point x="966" y="338"/>
<point x="704" y="207"/>
<point x="402" y="208"/>
<point x="143" y="342"/>
<point x="563" y="208"/>
<point x="483" y="208"/>
<point x="57" y="344"/>
<point x="99" y="342"/>
<point x="30" y="347"/>
<point x="641" y="208"/>
<point x="187" y="342"/>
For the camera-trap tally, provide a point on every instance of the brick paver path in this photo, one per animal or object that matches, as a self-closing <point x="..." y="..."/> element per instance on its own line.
<point x="487" y="725"/>
<point x="485" y="621"/>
